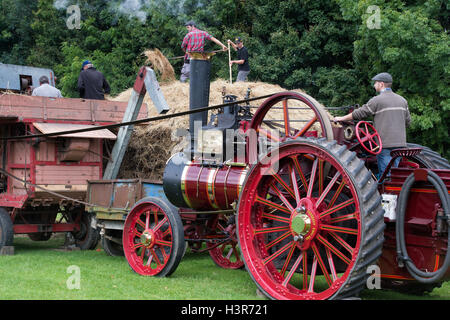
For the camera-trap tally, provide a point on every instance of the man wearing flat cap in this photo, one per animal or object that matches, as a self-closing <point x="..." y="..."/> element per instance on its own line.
<point x="194" y="41"/>
<point x="390" y="117"/>
<point x="242" y="59"/>
<point x="92" y="83"/>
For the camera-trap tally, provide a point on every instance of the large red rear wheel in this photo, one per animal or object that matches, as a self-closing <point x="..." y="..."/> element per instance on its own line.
<point x="307" y="232"/>
<point x="153" y="238"/>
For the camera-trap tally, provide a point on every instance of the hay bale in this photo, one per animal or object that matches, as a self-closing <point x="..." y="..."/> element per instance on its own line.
<point x="160" y="64"/>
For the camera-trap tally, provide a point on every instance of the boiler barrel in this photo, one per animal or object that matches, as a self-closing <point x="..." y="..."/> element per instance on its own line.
<point x="202" y="187"/>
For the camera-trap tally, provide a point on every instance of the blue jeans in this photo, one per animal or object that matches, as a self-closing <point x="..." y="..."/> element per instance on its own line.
<point x="383" y="159"/>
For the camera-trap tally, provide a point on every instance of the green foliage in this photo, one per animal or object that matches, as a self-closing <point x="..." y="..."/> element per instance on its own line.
<point x="413" y="46"/>
<point x="330" y="49"/>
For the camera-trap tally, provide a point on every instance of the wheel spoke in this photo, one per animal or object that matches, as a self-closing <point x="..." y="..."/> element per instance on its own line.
<point x="338" y="229"/>
<point x="306" y="127"/>
<point x="272" y="204"/>
<point x="282" y="197"/>
<point x="141" y="223"/>
<point x="336" y="194"/>
<point x="166" y="243"/>
<point x="328" y="188"/>
<point x="300" y="172"/>
<point x="312" y="279"/>
<point x="331" y="264"/>
<point x="320" y="166"/>
<point x="312" y="178"/>
<point x="292" y="271"/>
<point x="333" y="249"/>
<point x="342" y="242"/>
<point x="277" y="253"/>
<point x="337" y="208"/>
<point x="321" y="263"/>
<point x="160" y="224"/>
<point x="305" y="270"/>
<point x="270" y="230"/>
<point x="274" y="217"/>
<point x="294" y="183"/>
<point x="342" y="218"/>
<point x="288" y="259"/>
<point x="147" y="219"/>
<point x="158" y="262"/>
<point x="280" y="238"/>
<point x="284" y="184"/>
<point x="268" y="135"/>
<point x="287" y="127"/>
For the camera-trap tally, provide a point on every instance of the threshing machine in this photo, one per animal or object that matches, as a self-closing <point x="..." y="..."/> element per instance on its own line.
<point x="43" y="181"/>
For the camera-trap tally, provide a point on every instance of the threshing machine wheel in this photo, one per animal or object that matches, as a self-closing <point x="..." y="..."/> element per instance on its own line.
<point x="225" y="253"/>
<point x="306" y="232"/>
<point x="87" y="237"/>
<point x="153" y="237"/>
<point x="291" y="115"/>
<point x="6" y="229"/>
<point x="368" y="137"/>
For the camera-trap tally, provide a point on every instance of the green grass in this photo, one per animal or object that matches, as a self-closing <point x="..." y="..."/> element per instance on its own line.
<point x="38" y="271"/>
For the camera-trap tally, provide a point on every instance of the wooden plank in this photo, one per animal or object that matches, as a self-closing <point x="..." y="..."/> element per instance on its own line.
<point x="60" y="127"/>
<point x="70" y="175"/>
<point x="69" y="109"/>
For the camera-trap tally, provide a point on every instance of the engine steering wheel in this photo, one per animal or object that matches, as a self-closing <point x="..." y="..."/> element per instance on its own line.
<point x="368" y="137"/>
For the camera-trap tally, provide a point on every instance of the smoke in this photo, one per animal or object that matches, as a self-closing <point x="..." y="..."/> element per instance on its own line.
<point x="134" y="9"/>
<point x="60" y="4"/>
<point x="128" y="8"/>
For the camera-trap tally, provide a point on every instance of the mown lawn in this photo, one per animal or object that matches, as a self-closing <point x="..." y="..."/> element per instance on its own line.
<point x="39" y="271"/>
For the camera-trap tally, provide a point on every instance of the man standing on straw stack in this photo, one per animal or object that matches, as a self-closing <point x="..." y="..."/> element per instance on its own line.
<point x="194" y="41"/>
<point x="242" y="60"/>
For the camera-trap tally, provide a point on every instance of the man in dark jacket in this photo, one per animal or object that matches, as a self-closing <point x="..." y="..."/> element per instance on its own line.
<point x="91" y="83"/>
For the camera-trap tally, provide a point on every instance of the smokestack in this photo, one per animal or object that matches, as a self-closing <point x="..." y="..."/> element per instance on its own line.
<point x="199" y="84"/>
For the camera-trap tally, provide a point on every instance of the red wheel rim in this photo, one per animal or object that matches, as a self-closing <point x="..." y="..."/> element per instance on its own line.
<point x="225" y="254"/>
<point x="300" y="239"/>
<point x="368" y="137"/>
<point x="147" y="239"/>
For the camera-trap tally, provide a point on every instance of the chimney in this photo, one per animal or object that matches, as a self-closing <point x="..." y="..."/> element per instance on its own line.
<point x="198" y="92"/>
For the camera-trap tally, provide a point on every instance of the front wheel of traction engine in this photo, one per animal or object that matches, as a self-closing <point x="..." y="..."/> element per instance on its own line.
<point x="153" y="237"/>
<point x="310" y="223"/>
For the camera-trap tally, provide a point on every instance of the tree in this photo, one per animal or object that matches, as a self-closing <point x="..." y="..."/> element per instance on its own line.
<point x="410" y="43"/>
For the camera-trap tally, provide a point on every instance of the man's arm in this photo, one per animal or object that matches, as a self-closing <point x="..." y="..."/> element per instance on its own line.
<point x="232" y="44"/>
<point x="80" y="86"/>
<point x="224" y="48"/>
<point x="106" y="87"/>
<point x="347" y="117"/>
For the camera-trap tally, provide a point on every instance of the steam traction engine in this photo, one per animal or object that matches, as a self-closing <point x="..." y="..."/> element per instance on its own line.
<point x="302" y="198"/>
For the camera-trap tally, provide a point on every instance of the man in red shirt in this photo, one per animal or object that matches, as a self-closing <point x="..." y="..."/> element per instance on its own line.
<point x="194" y="41"/>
